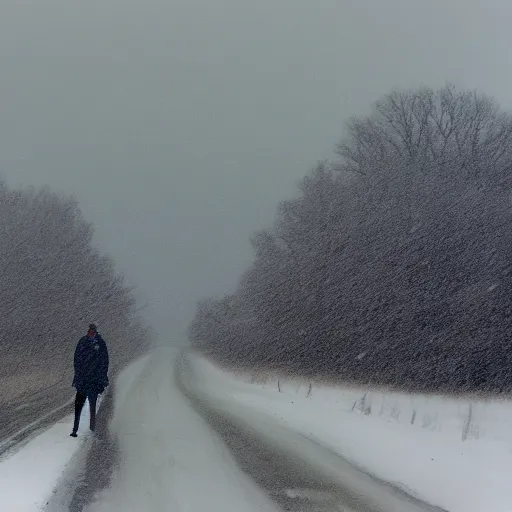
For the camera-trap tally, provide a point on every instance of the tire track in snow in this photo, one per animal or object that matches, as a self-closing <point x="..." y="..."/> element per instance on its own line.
<point x="291" y="483"/>
<point x="297" y="466"/>
<point x="20" y="422"/>
<point x="169" y="458"/>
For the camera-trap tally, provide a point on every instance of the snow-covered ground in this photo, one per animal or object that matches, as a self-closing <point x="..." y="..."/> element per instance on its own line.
<point x="170" y="459"/>
<point x="28" y="476"/>
<point x="456" y="454"/>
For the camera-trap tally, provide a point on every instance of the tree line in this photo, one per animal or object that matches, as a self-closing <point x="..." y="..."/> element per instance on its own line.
<point x="392" y="267"/>
<point x="54" y="282"/>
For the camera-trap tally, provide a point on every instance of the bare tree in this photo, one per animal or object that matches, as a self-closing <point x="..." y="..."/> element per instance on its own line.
<point x="426" y="128"/>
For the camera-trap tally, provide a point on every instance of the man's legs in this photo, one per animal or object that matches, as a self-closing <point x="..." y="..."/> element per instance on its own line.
<point x="92" y="408"/>
<point x="79" y="404"/>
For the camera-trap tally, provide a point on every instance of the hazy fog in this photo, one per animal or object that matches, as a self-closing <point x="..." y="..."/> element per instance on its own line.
<point x="180" y="124"/>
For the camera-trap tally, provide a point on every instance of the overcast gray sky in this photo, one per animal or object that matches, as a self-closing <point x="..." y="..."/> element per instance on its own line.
<point x="180" y="124"/>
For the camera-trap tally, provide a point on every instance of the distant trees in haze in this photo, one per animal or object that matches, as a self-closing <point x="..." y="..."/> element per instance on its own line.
<point x="393" y="266"/>
<point x="54" y="282"/>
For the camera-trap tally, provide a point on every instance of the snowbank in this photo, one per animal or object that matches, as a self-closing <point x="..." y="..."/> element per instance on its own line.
<point x="29" y="476"/>
<point x="169" y="457"/>
<point x="456" y="454"/>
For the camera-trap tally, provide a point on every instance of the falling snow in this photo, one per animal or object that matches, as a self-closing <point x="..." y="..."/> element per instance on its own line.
<point x="349" y="327"/>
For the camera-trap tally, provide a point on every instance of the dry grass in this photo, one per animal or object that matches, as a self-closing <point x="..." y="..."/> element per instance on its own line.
<point x="22" y="378"/>
<point x="13" y="387"/>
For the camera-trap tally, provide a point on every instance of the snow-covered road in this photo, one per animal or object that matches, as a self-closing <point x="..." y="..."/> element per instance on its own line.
<point x="169" y="449"/>
<point x="169" y="459"/>
<point x="178" y="453"/>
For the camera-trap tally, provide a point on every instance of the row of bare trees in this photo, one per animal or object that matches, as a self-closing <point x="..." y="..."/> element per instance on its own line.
<point x="54" y="283"/>
<point x="393" y="266"/>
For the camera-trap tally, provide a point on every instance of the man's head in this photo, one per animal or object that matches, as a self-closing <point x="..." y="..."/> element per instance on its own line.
<point x="92" y="330"/>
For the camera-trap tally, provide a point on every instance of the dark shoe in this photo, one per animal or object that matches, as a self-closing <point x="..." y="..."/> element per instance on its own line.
<point x="73" y="434"/>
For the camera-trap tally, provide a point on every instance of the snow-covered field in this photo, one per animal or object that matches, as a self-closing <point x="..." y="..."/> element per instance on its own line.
<point x="456" y="454"/>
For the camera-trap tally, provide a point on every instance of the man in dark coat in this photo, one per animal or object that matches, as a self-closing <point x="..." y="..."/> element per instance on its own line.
<point x="91" y="369"/>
